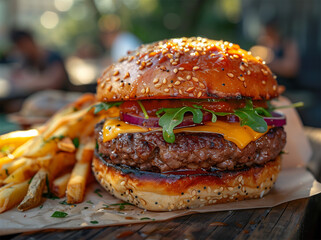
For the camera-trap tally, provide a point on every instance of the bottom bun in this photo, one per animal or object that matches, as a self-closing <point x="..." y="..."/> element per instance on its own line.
<point x="185" y="189"/>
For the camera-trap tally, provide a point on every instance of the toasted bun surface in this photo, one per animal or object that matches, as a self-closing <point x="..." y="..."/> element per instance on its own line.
<point x="167" y="192"/>
<point x="187" y="68"/>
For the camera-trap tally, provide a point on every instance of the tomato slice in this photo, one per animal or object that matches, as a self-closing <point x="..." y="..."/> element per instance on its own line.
<point x="152" y="106"/>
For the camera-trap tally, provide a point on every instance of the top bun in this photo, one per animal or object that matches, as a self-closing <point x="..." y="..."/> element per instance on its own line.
<point x="187" y="68"/>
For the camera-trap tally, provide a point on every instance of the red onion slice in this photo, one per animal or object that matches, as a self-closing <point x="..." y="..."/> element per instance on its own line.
<point x="277" y="120"/>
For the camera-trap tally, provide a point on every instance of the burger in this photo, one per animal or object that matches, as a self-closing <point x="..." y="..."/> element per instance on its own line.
<point x="195" y="126"/>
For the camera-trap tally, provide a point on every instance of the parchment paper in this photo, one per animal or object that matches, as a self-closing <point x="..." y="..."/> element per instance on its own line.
<point x="294" y="182"/>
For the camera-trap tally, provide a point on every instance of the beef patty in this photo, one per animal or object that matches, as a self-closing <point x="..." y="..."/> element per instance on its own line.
<point x="149" y="152"/>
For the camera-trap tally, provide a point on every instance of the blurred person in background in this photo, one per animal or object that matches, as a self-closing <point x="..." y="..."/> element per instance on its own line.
<point x="39" y="68"/>
<point x="116" y="41"/>
<point x="286" y="58"/>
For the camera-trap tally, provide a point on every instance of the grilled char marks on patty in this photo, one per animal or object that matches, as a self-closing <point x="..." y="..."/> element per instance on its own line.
<point x="149" y="152"/>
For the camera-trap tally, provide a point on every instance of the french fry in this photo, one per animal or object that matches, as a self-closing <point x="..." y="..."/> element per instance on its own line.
<point x="66" y="145"/>
<point x="86" y="150"/>
<point x="13" y="195"/>
<point x="59" y="185"/>
<point x="17" y="138"/>
<point x="77" y="183"/>
<point x="9" y="168"/>
<point x="17" y="153"/>
<point x="23" y="173"/>
<point x="35" y="189"/>
<point x="42" y="147"/>
<point x="60" y="162"/>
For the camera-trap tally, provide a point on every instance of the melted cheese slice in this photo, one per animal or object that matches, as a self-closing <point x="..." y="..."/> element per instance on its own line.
<point x="240" y="135"/>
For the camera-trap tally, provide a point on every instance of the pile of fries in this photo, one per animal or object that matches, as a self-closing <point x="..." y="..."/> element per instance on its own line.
<point x="53" y="160"/>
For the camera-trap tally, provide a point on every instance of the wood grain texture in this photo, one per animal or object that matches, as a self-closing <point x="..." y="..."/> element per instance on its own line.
<point x="293" y="220"/>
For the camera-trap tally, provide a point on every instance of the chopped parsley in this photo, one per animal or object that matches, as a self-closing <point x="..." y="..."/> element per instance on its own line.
<point x="97" y="191"/>
<point x="94" y="222"/>
<point x="58" y="214"/>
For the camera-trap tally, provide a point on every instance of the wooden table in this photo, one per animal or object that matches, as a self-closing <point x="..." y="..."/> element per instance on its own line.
<point x="300" y="219"/>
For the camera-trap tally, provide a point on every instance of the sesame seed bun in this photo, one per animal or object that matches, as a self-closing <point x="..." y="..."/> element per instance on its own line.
<point x="167" y="192"/>
<point x="187" y="68"/>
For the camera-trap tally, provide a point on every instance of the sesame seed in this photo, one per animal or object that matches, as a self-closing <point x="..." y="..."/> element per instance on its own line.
<point x="166" y="90"/>
<point x="263" y="82"/>
<point x="131" y="58"/>
<point x="230" y="75"/>
<point x="246" y="64"/>
<point x="109" y="88"/>
<point x="103" y="84"/>
<point x="236" y="56"/>
<point x="180" y="91"/>
<point x="147" y="90"/>
<point x="138" y="62"/>
<point x="191" y="89"/>
<point x="242" y="68"/>
<point x="141" y="67"/>
<point x="122" y="84"/>
<point x="180" y="78"/>
<point x="221" y="58"/>
<point x="158" y="85"/>
<point x="174" y="63"/>
<point x="170" y="55"/>
<point x="116" y="73"/>
<point x="202" y="85"/>
<point x="196" y="68"/>
<point x="181" y="69"/>
<point x="177" y="83"/>
<point x="264" y="72"/>
<point x="199" y="94"/>
<point x="149" y="64"/>
<point x="195" y="79"/>
<point x="244" y="84"/>
<point x="241" y="78"/>
<point x="274" y="87"/>
<point x="107" y="79"/>
<point x="164" y="81"/>
<point x="117" y="79"/>
<point x="188" y="77"/>
<point x="127" y="75"/>
<point x="156" y="80"/>
<point x="170" y="85"/>
<point x="231" y="57"/>
<point x="175" y="70"/>
<point x="143" y="91"/>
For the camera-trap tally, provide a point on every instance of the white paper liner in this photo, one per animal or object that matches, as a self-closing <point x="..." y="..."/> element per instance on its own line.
<point x="294" y="182"/>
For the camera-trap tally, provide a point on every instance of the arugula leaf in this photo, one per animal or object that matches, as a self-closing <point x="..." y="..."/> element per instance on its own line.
<point x="104" y="106"/>
<point x="249" y="116"/>
<point x="58" y="214"/>
<point x="143" y="109"/>
<point x="172" y="117"/>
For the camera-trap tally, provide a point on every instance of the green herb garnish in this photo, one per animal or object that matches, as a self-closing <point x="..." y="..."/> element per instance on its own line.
<point x="75" y="141"/>
<point x="147" y="218"/>
<point x="7" y="172"/>
<point x="97" y="191"/>
<point x="121" y="205"/>
<point x="41" y="206"/>
<point x="172" y="117"/>
<point x="104" y="106"/>
<point x="49" y="194"/>
<point x="90" y="202"/>
<point x="143" y="109"/>
<point x="58" y="214"/>
<point x="94" y="222"/>
<point x="65" y="203"/>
